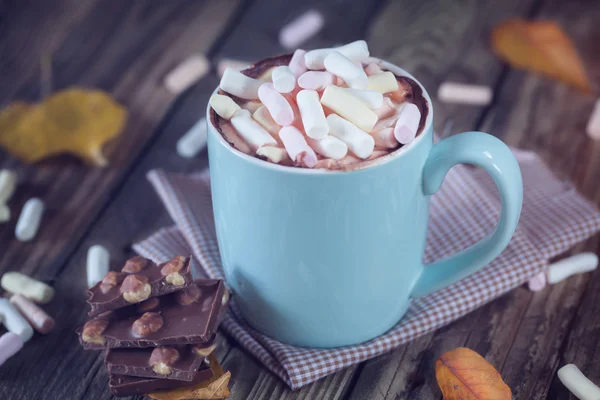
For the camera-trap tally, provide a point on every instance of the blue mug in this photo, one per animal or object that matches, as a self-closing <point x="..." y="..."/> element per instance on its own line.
<point x="328" y="258"/>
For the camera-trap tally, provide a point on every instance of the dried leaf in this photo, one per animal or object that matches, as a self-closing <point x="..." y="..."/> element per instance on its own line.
<point x="216" y="387"/>
<point x="540" y="46"/>
<point x="463" y="374"/>
<point x="75" y="121"/>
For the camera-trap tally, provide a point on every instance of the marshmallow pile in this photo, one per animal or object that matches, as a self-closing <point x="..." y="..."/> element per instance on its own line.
<point x="328" y="108"/>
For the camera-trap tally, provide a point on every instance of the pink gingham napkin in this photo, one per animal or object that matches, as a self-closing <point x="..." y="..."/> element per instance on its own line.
<point x="555" y="217"/>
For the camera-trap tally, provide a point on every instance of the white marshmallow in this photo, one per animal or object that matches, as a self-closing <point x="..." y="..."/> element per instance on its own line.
<point x="329" y="146"/>
<point x="254" y="134"/>
<point x="315" y="80"/>
<point x="29" y="220"/>
<point x="349" y="107"/>
<point x="385" y="138"/>
<point x="297" y="64"/>
<point x="578" y="383"/>
<point x="407" y="124"/>
<point x="373" y="99"/>
<point x="301" y="29"/>
<point x="387" y="109"/>
<point x="225" y="63"/>
<point x="593" y="125"/>
<point x="383" y="83"/>
<point x="8" y="183"/>
<point x="358" y="141"/>
<point x="10" y="344"/>
<point x="4" y="213"/>
<point x="16" y="282"/>
<point x="262" y="116"/>
<point x="224" y="106"/>
<point x="313" y="116"/>
<point x="577" y="264"/>
<point x="343" y="67"/>
<point x="98" y="263"/>
<point x="373" y="69"/>
<point x="355" y="51"/>
<point x="274" y="154"/>
<point x="252" y="106"/>
<point x="283" y="79"/>
<point x="296" y="146"/>
<point x="193" y="141"/>
<point x="187" y="73"/>
<point x="281" y="111"/>
<point x="14" y="321"/>
<point x="233" y="138"/>
<point x="240" y="85"/>
<point x="452" y="92"/>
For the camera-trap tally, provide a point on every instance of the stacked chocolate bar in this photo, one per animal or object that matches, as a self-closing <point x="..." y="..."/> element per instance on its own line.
<point x="156" y="323"/>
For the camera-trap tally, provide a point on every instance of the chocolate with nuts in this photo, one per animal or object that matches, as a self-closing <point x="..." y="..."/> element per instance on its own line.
<point x="166" y="362"/>
<point x="124" y="385"/>
<point x="188" y="316"/>
<point x="138" y="280"/>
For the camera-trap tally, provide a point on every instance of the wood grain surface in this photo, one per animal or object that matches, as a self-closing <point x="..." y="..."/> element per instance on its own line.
<point x="126" y="48"/>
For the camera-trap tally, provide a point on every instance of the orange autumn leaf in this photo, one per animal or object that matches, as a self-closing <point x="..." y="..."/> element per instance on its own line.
<point x="540" y="46"/>
<point x="462" y="374"/>
<point x="75" y="121"/>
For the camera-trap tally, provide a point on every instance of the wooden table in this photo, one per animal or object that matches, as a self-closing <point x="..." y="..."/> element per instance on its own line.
<point x="126" y="48"/>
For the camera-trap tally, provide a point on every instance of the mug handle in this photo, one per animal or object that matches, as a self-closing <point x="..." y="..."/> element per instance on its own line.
<point x="491" y="154"/>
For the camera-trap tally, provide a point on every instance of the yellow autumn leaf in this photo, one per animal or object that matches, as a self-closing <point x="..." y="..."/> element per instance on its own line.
<point x="75" y="121"/>
<point x="462" y="374"/>
<point x="216" y="387"/>
<point x="540" y="46"/>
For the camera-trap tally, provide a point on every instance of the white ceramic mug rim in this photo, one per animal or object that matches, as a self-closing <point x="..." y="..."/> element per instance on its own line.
<point x="295" y="170"/>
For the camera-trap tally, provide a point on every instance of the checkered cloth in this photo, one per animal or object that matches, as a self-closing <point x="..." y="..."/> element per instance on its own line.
<point x="555" y="217"/>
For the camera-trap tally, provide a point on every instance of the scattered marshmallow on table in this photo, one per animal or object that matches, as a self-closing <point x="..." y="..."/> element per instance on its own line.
<point x="193" y="141"/>
<point x="10" y="344"/>
<point x="283" y="78"/>
<point x="373" y="99"/>
<point x="342" y="67"/>
<point x="4" y="213"/>
<point x="355" y="51"/>
<point x="593" y="125"/>
<point x="315" y="80"/>
<point x="358" y="141"/>
<point x="29" y="220"/>
<point x="187" y="73"/>
<point x="349" y="107"/>
<point x="462" y="93"/>
<point x="262" y="116"/>
<point x="16" y="282"/>
<point x="538" y="282"/>
<point x="384" y="82"/>
<point x="98" y="264"/>
<point x="297" y="65"/>
<point x="274" y="154"/>
<point x="14" y="321"/>
<point x="223" y="105"/>
<point x="296" y="146"/>
<point x="301" y="29"/>
<point x="39" y="320"/>
<point x="279" y="108"/>
<point x="329" y="146"/>
<point x="577" y="264"/>
<point x="312" y="114"/>
<point x="407" y="124"/>
<point x="240" y="85"/>
<point x="251" y="131"/>
<point x="8" y="183"/>
<point x="577" y="383"/>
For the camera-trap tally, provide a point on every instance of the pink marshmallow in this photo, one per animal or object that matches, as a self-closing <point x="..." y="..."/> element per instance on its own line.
<point x="296" y="146"/>
<point x="406" y="127"/>
<point x="297" y="64"/>
<point x="278" y="106"/>
<point x="385" y="138"/>
<point x="538" y="282"/>
<point x="10" y="344"/>
<point x="315" y="80"/>
<point x="386" y="110"/>
<point x="373" y="69"/>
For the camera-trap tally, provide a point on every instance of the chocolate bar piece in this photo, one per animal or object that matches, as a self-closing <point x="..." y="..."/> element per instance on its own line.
<point x="191" y="315"/>
<point x="140" y="279"/>
<point x="166" y="362"/>
<point x="124" y="385"/>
